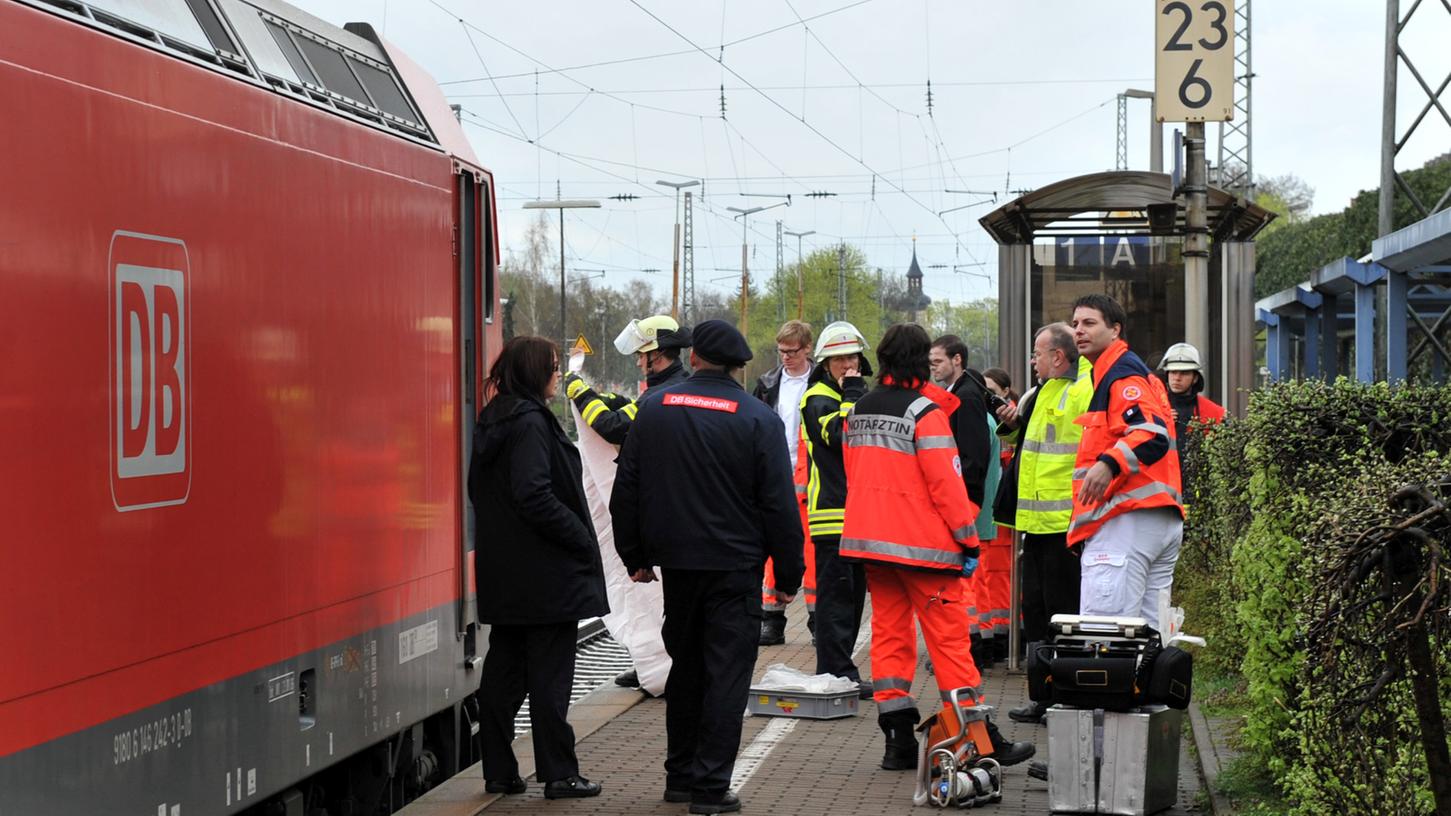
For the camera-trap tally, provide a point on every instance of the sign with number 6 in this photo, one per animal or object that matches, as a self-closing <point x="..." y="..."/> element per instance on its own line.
<point x="1194" y="60"/>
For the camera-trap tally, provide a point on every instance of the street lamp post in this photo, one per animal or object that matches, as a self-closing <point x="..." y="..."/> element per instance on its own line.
<point x="744" y="215"/>
<point x="800" y="274"/>
<point x="677" y="186"/>
<point x="561" y="204"/>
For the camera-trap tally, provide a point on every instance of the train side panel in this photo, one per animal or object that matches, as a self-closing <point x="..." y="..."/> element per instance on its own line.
<point x="232" y="493"/>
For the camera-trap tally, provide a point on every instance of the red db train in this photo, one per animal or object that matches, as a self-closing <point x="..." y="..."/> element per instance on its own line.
<point x="247" y="285"/>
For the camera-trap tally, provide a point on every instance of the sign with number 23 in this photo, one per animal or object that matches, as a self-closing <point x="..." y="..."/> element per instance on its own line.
<point x="1194" y="60"/>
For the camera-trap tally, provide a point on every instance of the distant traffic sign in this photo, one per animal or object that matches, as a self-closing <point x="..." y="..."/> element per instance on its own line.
<point x="581" y="345"/>
<point x="1194" y="60"/>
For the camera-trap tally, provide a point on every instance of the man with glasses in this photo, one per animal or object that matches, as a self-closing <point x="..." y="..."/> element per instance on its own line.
<point x="782" y="388"/>
<point x="1044" y="430"/>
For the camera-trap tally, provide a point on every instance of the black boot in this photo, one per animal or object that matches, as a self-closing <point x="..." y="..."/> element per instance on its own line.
<point x="1030" y="714"/>
<point x="1000" y="647"/>
<point x="982" y="653"/>
<point x="773" y="629"/>
<point x="1005" y="752"/>
<point x="901" y="753"/>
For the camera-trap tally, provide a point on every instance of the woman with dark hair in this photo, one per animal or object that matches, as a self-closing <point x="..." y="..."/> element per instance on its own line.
<point x="537" y="567"/>
<point x="1000" y="383"/>
<point x="908" y="516"/>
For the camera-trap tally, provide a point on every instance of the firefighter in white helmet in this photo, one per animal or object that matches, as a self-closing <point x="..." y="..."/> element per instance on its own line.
<point x="1184" y="374"/>
<point x="656" y="343"/>
<point x="836" y="384"/>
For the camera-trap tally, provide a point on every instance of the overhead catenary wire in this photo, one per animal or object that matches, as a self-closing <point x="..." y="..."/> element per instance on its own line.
<point x="662" y="55"/>
<point x="828" y="86"/>
<point x="940" y="162"/>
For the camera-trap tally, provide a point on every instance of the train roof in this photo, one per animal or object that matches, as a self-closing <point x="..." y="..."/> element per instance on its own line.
<point x="347" y="71"/>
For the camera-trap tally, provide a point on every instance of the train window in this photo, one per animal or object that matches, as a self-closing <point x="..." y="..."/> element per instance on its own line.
<point x="387" y="96"/>
<point x="212" y="25"/>
<point x="261" y="46"/>
<point x="332" y="69"/>
<point x="486" y="250"/>
<point x="294" y="57"/>
<point x="172" y="18"/>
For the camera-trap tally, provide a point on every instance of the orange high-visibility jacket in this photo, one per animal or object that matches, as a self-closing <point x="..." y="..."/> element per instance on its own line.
<point x="906" y="503"/>
<point x="1129" y="427"/>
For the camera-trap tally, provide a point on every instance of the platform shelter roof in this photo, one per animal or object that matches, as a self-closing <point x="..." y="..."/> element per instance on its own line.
<point x="1114" y="202"/>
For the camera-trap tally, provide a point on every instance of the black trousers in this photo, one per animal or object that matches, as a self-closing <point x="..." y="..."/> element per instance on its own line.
<point x="539" y="661"/>
<point x="841" y="595"/>
<point x="712" y="627"/>
<point x="1050" y="582"/>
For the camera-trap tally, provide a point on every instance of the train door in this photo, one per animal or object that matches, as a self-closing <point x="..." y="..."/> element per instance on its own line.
<point x="478" y="341"/>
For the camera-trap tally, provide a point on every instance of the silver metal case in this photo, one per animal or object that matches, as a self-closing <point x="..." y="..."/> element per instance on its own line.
<point x="1139" y="749"/>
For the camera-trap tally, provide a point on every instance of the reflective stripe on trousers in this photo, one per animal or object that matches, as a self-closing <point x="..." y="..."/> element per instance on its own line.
<point x="901" y="601"/>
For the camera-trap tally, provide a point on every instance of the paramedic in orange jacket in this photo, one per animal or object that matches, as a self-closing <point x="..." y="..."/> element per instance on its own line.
<point x="908" y="516"/>
<point x="1127" y="510"/>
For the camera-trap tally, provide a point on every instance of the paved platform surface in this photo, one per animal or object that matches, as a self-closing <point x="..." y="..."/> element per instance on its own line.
<point x="786" y="766"/>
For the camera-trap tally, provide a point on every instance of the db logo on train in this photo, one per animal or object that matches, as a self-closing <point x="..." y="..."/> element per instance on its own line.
<point x="150" y="336"/>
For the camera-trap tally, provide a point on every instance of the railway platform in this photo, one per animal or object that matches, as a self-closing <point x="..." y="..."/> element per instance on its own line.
<point x="785" y="766"/>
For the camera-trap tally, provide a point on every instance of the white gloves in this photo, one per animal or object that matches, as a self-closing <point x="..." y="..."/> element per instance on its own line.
<point x="576" y="362"/>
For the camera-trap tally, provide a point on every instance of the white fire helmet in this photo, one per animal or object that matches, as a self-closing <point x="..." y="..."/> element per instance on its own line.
<point x="1181" y="357"/>
<point x="645" y="335"/>
<point x="838" y="339"/>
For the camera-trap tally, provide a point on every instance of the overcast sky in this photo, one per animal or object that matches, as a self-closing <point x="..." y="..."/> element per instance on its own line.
<point x="1022" y="95"/>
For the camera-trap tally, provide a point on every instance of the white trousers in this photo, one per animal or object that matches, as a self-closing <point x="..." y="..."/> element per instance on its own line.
<point x="1128" y="561"/>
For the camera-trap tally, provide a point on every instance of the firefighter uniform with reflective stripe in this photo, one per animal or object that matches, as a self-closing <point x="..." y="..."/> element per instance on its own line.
<point x="1131" y="537"/>
<point x="841" y="586"/>
<point x="1047" y="450"/>
<point x="910" y="519"/>
<point x="772" y="598"/>
<point x="610" y="414"/>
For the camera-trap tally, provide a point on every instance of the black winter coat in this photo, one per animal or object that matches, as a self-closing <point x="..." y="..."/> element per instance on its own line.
<point x="970" y="429"/>
<point x="704" y="483"/>
<point x="536" y="558"/>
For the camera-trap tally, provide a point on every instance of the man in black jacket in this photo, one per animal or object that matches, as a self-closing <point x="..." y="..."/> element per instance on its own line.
<point x="969" y="421"/>
<point x="703" y="491"/>
<point x="948" y="361"/>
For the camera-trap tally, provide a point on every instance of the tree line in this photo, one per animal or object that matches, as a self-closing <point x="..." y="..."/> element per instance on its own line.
<point x="875" y="299"/>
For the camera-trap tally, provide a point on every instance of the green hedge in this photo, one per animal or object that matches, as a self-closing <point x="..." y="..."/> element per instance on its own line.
<point x="1276" y="494"/>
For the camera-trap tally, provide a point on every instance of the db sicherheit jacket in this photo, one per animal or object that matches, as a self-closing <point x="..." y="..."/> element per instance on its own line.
<point x="704" y="483"/>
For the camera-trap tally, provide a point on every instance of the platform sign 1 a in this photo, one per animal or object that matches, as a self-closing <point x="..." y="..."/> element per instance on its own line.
<point x="1194" y="60"/>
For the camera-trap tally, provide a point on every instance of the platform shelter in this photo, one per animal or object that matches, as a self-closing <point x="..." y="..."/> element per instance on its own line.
<point x="1122" y="233"/>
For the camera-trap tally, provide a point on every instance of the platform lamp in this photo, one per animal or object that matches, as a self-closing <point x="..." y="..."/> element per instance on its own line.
<point x="677" y="186"/>
<point x="562" y="204"/>
<point x="800" y="273"/>
<point x="744" y="214"/>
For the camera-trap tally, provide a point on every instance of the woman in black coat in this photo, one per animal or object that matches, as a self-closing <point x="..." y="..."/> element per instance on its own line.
<point x="537" y="566"/>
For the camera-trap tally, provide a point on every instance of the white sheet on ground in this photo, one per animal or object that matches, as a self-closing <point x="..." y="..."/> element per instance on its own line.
<point x="781" y="677"/>
<point x="637" y="611"/>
